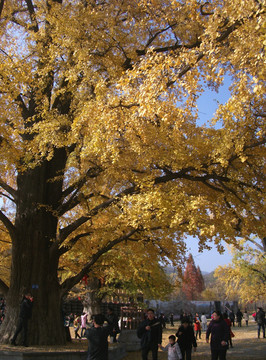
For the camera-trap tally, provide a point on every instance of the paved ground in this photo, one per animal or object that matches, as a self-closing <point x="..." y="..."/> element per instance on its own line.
<point x="246" y="346"/>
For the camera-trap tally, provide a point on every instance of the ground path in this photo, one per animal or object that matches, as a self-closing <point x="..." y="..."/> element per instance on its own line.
<point x="246" y="346"/>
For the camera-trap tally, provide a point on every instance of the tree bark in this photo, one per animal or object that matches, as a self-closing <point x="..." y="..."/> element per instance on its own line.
<point x="92" y="302"/>
<point x="34" y="254"/>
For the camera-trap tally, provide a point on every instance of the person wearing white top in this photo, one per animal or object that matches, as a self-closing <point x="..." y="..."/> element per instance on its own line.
<point x="173" y="349"/>
<point x="204" y="322"/>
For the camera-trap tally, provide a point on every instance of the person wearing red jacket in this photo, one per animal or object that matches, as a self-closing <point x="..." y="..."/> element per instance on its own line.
<point x="229" y="324"/>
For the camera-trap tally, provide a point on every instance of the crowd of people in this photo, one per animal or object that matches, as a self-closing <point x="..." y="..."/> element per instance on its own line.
<point x="180" y="345"/>
<point x="219" y="331"/>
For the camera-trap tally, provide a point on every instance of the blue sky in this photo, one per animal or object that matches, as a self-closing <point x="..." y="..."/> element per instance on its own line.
<point x="208" y="260"/>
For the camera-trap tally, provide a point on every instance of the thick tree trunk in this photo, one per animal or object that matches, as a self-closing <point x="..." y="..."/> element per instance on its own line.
<point x="35" y="256"/>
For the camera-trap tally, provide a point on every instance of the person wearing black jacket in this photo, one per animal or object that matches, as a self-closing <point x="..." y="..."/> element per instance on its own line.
<point x="97" y="336"/>
<point x="112" y="320"/>
<point x="186" y="338"/>
<point x="260" y="319"/>
<point x="24" y="316"/>
<point x="150" y="333"/>
<point x="219" y="331"/>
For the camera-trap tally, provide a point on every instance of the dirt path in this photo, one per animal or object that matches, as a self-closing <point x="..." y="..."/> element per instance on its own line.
<point x="246" y="346"/>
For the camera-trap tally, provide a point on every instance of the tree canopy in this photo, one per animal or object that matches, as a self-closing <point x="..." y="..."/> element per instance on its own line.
<point x="100" y="140"/>
<point x="245" y="277"/>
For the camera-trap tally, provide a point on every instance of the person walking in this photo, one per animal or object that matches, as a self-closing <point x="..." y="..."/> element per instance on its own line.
<point x="229" y="324"/>
<point x="83" y="319"/>
<point x="112" y="320"/>
<point x="186" y="339"/>
<point x="98" y="339"/>
<point x="246" y="317"/>
<point x="219" y="332"/>
<point x="204" y="322"/>
<point x="24" y="316"/>
<point x="239" y="317"/>
<point x="172" y="348"/>
<point x="232" y="318"/>
<point x="76" y="324"/>
<point x="197" y="326"/>
<point x="260" y="319"/>
<point x="150" y="333"/>
<point x="172" y="319"/>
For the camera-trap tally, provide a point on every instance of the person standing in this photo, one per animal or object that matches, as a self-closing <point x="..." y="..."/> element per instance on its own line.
<point x="260" y="319"/>
<point x="246" y="317"/>
<point x="76" y="324"/>
<point x="229" y="324"/>
<point x="197" y="326"/>
<point x="83" y="318"/>
<point x="239" y="317"/>
<point x="172" y="319"/>
<point x="186" y="339"/>
<point x="24" y="316"/>
<point x="98" y="339"/>
<point x="150" y="333"/>
<point x="219" y="332"/>
<point x="232" y="318"/>
<point x="112" y="320"/>
<point x="173" y="349"/>
<point x="204" y="322"/>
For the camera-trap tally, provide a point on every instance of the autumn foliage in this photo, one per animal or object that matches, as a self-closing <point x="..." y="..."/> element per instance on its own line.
<point x="193" y="282"/>
<point x="103" y="154"/>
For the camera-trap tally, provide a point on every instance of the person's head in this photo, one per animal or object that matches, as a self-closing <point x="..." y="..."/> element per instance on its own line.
<point x="110" y="310"/>
<point x="185" y="322"/>
<point x="150" y="314"/>
<point x="225" y="316"/>
<point x="216" y="315"/>
<point x="98" y="320"/>
<point x="171" y="339"/>
<point x="28" y="296"/>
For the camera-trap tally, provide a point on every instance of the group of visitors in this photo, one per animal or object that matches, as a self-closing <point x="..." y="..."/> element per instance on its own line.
<point x="181" y="344"/>
<point x="150" y="332"/>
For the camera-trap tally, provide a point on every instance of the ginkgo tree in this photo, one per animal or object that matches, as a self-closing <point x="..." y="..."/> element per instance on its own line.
<point x="246" y="275"/>
<point x="100" y="142"/>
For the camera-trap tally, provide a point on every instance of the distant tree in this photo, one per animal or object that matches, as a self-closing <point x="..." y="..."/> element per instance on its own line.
<point x="193" y="282"/>
<point x="246" y="275"/>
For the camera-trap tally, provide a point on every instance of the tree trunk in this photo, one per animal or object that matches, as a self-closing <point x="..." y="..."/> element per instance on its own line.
<point x="92" y="302"/>
<point x="35" y="255"/>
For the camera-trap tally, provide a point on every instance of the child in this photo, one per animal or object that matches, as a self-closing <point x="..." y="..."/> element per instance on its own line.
<point x="173" y="349"/>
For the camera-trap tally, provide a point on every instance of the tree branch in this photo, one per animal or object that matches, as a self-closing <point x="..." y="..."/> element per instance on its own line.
<point x="72" y="242"/>
<point x="1" y="6"/>
<point x="8" y="224"/>
<point x="70" y="282"/>
<point x="32" y="15"/>
<point x="9" y="189"/>
<point x="65" y="232"/>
